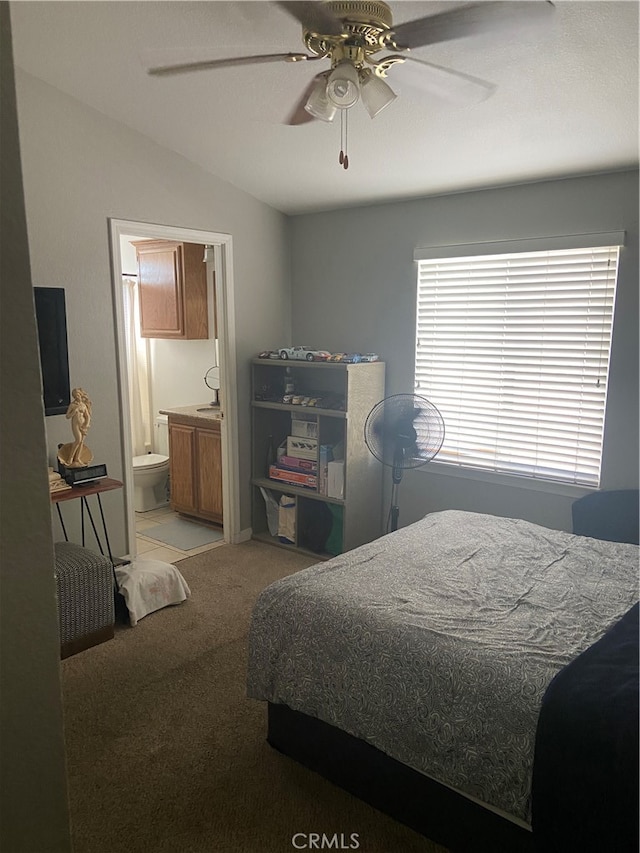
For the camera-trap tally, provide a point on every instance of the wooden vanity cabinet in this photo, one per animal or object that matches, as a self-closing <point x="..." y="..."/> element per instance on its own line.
<point x="195" y="467"/>
<point x="209" y="473"/>
<point x="182" y="468"/>
<point x="172" y="281"/>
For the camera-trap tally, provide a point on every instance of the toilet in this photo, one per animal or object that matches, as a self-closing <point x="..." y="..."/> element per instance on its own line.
<point x="151" y="471"/>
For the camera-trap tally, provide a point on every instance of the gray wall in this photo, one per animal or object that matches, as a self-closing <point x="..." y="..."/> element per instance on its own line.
<point x="354" y="284"/>
<point x="81" y="168"/>
<point x="34" y="814"/>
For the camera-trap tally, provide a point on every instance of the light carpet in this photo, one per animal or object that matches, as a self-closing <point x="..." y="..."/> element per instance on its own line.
<point x="183" y="534"/>
<point x="165" y="752"/>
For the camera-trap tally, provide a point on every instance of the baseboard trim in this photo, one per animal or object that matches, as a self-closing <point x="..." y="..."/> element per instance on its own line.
<point x="242" y="536"/>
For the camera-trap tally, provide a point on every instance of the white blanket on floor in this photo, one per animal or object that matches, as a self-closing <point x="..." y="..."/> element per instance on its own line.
<point x="149" y="585"/>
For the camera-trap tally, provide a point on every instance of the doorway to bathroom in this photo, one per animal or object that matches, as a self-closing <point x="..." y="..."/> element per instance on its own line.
<point x="171" y="375"/>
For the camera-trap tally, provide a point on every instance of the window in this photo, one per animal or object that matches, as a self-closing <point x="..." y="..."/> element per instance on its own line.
<point x="513" y="349"/>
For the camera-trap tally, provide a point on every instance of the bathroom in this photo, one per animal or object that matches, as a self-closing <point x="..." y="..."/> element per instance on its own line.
<point x="164" y="375"/>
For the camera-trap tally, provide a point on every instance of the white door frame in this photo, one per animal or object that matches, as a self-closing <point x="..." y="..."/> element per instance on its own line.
<point x="225" y="307"/>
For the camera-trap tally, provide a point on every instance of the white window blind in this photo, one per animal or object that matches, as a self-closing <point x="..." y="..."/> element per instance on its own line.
<point x="513" y="349"/>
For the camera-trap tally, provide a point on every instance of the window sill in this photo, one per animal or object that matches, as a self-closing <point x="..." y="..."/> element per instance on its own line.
<point x="510" y="480"/>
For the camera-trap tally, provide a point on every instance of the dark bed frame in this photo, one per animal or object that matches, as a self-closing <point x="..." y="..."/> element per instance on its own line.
<point x="432" y="809"/>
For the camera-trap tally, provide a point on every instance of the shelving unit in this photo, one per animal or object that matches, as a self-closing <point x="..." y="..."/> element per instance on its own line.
<point x="353" y="389"/>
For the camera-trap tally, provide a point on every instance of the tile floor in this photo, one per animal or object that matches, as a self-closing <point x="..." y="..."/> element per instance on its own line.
<point x="151" y="549"/>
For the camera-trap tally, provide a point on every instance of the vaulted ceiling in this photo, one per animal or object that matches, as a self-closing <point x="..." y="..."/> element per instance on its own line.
<point x="565" y="103"/>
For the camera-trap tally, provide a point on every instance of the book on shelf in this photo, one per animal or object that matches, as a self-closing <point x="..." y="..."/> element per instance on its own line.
<point x="304" y="428"/>
<point x="302" y="448"/>
<point x="335" y="479"/>
<point x="294" y="463"/>
<point x="324" y="457"/>
<point x="293" y="478"/>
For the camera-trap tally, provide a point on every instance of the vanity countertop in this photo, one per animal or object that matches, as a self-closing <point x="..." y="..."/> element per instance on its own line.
<point x="203" y="411"/>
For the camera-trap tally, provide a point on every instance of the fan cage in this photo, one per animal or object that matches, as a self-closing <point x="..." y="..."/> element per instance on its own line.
<point x="382" y="424"/>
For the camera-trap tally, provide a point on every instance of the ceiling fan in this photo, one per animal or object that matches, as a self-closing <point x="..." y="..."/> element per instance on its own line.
<point x="352" y="34"/>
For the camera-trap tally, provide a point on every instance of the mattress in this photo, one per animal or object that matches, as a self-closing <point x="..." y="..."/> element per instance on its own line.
<point x="437" y="642"/>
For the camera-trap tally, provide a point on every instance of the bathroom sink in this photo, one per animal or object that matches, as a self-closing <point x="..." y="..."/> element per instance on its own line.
<point x="212" y="409"/>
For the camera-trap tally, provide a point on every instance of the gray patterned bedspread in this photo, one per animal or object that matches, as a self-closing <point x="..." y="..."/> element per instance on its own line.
<point x="436" y="643"/>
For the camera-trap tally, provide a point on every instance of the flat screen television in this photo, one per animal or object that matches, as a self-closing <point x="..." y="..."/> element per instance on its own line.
<point x="51" y="317"/>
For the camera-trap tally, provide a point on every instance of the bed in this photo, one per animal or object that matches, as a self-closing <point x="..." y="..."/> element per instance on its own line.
<point x="412" y="670"/>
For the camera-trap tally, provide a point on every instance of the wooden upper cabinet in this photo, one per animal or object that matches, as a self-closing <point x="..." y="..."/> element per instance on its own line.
<point x="172" y="281"/>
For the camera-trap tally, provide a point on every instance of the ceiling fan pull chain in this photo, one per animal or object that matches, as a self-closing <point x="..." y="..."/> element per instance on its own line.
<point x="345" y="165"/>
<point x="344" y="157"/>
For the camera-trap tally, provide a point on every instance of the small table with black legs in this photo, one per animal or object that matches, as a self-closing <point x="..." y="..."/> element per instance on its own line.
<point x="83" y="492"/>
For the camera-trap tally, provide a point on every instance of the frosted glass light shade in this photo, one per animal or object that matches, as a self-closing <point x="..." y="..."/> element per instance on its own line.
<point x="376" y="94"/>
<point x="343" y="88"/>
<point x="318" y="104"/>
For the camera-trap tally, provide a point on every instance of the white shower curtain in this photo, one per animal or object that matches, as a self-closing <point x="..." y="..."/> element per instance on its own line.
<point x="137" y="370"/>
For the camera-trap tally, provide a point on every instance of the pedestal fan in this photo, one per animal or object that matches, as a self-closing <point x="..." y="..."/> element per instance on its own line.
<point x="403" y="431"/>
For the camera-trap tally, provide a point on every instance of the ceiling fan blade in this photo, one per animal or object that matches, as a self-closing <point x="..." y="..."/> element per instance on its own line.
<point x="299" y="115"/>
<point x="206" y="64"/>
<point x="452" y="86"/>
<point x="470" y="20"/>
<point x="313" y="16"/>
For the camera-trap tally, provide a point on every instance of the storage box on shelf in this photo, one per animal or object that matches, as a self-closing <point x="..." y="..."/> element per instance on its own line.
<point x="293" y="445"/>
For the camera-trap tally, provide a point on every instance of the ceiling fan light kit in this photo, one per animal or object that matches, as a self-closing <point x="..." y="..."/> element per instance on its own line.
<point x="318" y="105"/>
<point x="342" y="88"/>
<point x="375" y="93"/>
<point x="351" y="34"/>
<point x="343" y="85"/>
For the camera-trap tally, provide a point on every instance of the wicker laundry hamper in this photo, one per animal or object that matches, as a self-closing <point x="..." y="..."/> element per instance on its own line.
<point x="85" y="587"/>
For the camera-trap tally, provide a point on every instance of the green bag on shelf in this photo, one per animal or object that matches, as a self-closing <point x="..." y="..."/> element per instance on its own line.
<point x="334" y="541"/>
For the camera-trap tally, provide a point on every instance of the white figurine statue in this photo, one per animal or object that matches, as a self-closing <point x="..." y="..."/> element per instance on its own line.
<point x="76" y="454"/>
<point x="56" y="483"/>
